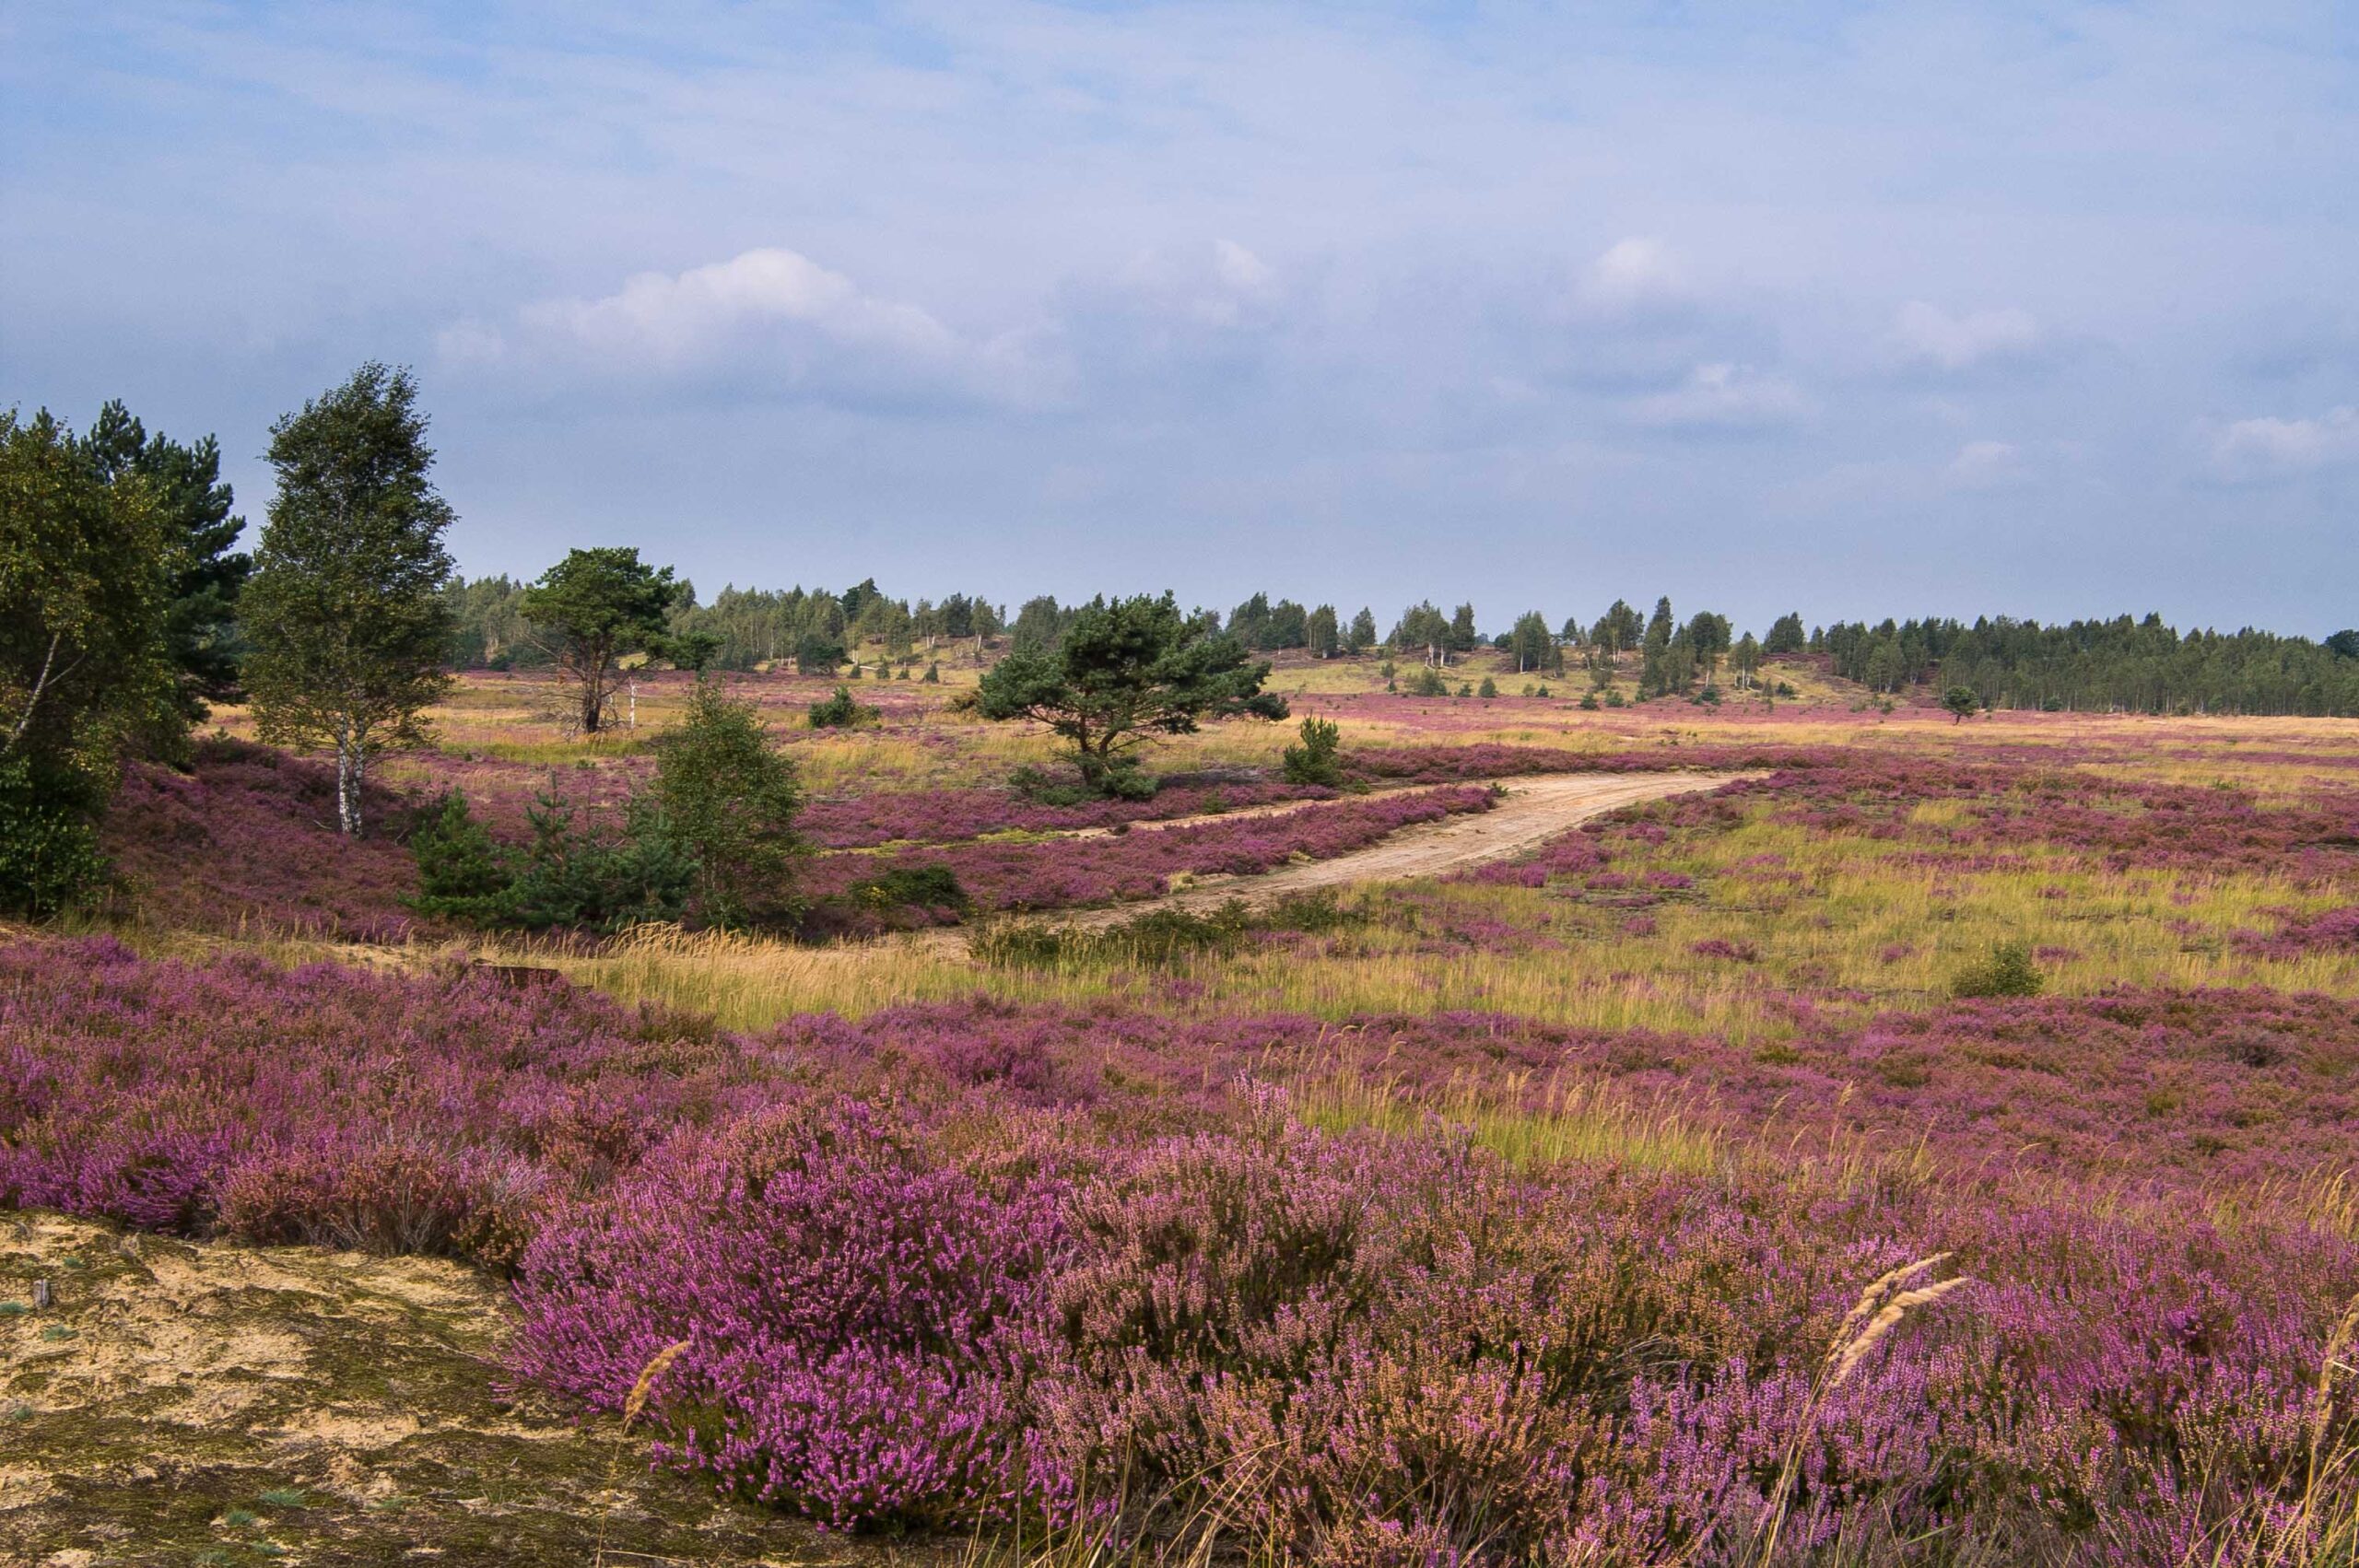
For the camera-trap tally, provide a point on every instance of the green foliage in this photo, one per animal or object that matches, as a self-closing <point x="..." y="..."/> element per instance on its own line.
<point x="1488" y="688"/>
<point x="203" y="574"/>
<point x="2008" y="972"/>
<point x="818" y="654"/>
<point x="1588" y="702"/>
<point x="913" y="887"/>
<point x="694" y="649"/>
<point x="575" y="879"/>
<point x="1156" y="939"/>
<point x="84" y="665"/>
<point x="1159" y="937"/>
<point x="1123" y="671"/>
<point x="49" y="841"/>
<point x="1317" y="759"/>
<point x="593" y="607"/>
<point x="728" y="800"/>
<point x="932" y="677"/>
<point x="1961" y="702"/>
<point x="1534" y="646"/>
<point x="2133" y="663"/>
<point x="345" y="611"/>
<point x="1043" y="788"/>
<point x="1427" y="682"/>
<point x="1324" y="637"/>
<point x="463" y="873"/>
<point x="563" y="878"/>
<point x="841" y="711"/>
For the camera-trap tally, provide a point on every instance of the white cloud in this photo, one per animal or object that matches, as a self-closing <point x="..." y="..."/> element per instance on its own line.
<point x="1928" y="334"/>
<point x="1219" y="284"/>
<point x="1985" y="465"/>
<point x="768" y="316"/>
<point x="1725" y="396"/>
<point x="2268" y="446"/>
<point x="1632" y="275"/>
<point x="673" y="319"/>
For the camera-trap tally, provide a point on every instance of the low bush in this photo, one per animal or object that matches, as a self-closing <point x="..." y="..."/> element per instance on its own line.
<point x="913" y="887"/>
<point x="1158" y="937"/>
<point x="2008" y="972"/>
<point x="564" y="878"/>
<point x="1317" y="759"/>
<point x="843" y="712"/>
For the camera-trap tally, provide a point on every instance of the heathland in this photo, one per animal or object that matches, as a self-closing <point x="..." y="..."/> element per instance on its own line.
<point x="1869" y="1137"/>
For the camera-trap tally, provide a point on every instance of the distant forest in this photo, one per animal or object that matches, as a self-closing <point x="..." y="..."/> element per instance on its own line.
<point x="2122" y="664"/>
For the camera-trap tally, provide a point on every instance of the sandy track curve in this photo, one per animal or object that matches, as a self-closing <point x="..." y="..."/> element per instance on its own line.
<point x="1537" y="808"/>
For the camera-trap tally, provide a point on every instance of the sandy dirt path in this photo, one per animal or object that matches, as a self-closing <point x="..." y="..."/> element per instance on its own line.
<point x="1536" y="809"/>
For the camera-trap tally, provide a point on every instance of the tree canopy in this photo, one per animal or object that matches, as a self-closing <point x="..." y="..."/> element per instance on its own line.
<point x="1124" y="672"/>
<point x="346" y="611"/>
<point x="203" y="573"/>
<point x="593" y="607"/>
<point x="84" y="668"/>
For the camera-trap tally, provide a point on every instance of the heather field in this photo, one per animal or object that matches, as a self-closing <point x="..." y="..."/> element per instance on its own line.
<point x="1914" y="1142"/>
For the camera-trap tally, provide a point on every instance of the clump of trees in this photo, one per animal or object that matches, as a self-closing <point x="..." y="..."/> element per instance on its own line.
<point x="1124" y="672"/>
<point x="2137" y="666"/>
<point x="86" y="666"/>
<point x="710" y="839"/>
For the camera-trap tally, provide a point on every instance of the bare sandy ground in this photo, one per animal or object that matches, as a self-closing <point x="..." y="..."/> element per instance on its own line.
<point x="178" y="1404"/>
<point x="1535" y="810"/>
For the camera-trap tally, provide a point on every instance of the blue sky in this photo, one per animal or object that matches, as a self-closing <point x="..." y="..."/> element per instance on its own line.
<point x="2011" y="309"/>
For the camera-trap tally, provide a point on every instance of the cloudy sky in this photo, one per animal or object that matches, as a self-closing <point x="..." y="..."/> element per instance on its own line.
<point x="2040" y="309"/>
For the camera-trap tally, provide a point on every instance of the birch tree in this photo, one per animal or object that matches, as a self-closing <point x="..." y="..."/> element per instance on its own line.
<point x="344" y="615"/>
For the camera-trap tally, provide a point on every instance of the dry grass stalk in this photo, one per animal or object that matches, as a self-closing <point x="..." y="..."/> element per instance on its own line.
<point x="633" y="1408"/>
<point x="1887" y="1301"/>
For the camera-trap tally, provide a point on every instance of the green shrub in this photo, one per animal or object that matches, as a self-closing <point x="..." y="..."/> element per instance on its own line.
<point x="840" y="711"/>
<point x="463" y="873"/>
<point x="1157" y="938"/>
<point x="1317" y="759"/>
<point x="2009" y="971"/>
<point x="575" y="879"/>
<point x="1427" y="682"/>
<point x="728" y="800"/>
<point x="932" y="677"/>
<point x="49" y="841"/>
<point x="1322" y="910"/>
<point x="1588" y="702"/>
<point x="913" y="887"/>
<point x="1043" y="788"/>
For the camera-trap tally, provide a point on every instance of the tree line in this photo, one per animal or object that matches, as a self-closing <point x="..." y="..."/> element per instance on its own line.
<point x="2126" y="664"/>
<point x="126" y="610"/>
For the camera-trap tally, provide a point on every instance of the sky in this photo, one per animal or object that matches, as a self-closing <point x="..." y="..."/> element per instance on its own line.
<point x="2046" y="310"/>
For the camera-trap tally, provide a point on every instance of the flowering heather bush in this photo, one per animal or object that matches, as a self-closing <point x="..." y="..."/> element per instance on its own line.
<point x="961" y="1263"/>
<point x="945" y="815"/>
<point x="2122" y="825"/>
<point x="1061" y="872"/>
<point x="2334" y="930"/>
<point x="323" y="1104"/>
<point x="860" y="1313"/>
<point x="248" y="836"/>
<point x="1442" y="764"/>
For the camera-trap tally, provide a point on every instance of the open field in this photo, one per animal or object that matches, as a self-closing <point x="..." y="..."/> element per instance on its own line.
<point x="1501" y="1198"/>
